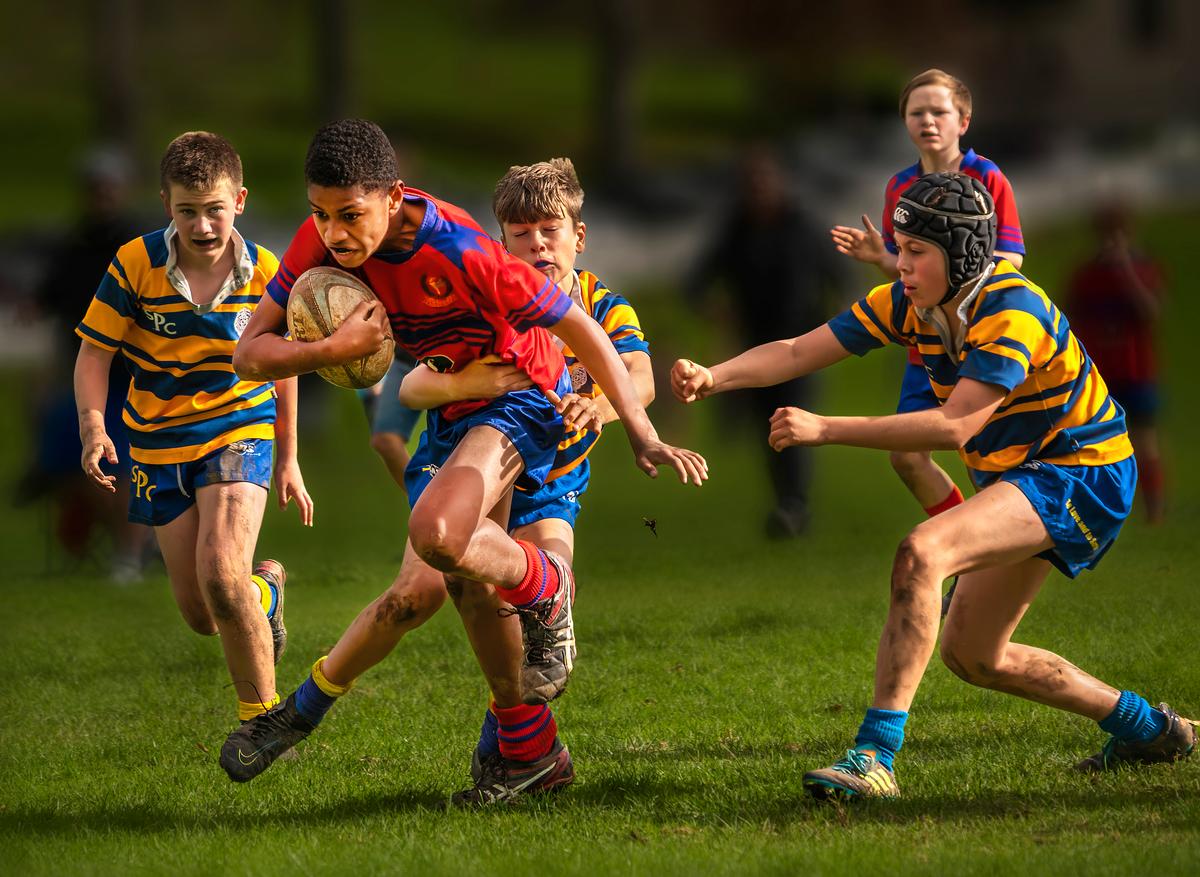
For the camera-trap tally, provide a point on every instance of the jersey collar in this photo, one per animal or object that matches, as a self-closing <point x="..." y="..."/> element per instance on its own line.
<point x="241" y="274"/>
<point x="934" y="316"/>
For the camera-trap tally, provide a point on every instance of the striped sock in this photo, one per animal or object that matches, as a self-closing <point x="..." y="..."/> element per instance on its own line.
<point x="268" y="595"/>
<point x="1134" y="720"/>
<point x="883" y="732"/>
<point x="540" y="580"/>
<point x="317" y="694"/>
<point x="248" y="711"/>
<point x="525" y="732"/>
<point x="489" y="740"/>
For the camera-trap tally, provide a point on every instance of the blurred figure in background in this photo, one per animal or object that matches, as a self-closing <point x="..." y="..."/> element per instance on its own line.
<point x="1115" y="298"/>
<point x="73" y="267"/>
<point x="770" y="255"/>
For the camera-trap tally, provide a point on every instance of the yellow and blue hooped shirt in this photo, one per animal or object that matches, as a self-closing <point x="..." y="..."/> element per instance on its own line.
<point x="1056" y="409"/>
<point x="185" y="399"/>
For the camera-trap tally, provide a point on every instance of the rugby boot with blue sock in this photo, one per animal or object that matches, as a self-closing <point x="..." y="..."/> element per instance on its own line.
<point x="254" y="746"/>
<point x="859" y="775"/>
<point x="1176" y="741"/>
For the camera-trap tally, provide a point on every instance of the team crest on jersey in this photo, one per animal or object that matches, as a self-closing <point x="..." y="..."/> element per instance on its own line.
<point x="900" y="217"/>
<point x="241" y="321"/>
<point x="579" y="376"/>
<point x="440" y="364"/>
<point x="437" y="291"/>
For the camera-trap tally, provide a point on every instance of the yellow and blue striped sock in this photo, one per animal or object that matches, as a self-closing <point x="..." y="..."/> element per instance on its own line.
<point x="268" y="596"/>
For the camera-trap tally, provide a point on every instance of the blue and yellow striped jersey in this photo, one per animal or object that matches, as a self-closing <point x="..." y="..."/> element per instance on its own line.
<point x="620" y="321"/>
<point x="1056" y="409"/>
<point x="184" y="400"/>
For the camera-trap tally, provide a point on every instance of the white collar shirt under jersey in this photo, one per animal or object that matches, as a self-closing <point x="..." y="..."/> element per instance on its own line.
<point x="239" y="276"/>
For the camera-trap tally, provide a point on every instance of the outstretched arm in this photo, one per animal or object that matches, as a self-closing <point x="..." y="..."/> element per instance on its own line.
<point x="289" y="483"/>
<point x="866" y="245"/>
<point x="91" y="394"/>
<point x="947" y="427"/>
<point x="762" y="366"/>
<point x="592" y="346"/>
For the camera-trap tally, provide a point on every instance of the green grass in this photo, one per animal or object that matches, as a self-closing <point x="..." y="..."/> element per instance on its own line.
<point x="714" y="669"/>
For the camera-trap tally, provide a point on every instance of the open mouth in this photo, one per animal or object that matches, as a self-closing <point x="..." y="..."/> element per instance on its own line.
<point x="542" y="264"/>
<point x="205" y="243"/>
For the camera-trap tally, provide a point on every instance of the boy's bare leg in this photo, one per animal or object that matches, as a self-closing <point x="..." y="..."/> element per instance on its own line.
<point x="550" y="534"/>
<point x="450" y="528"/>
<point x="393" y="449"/>
<point x="177" y="541"/>
<point x="230" y="514"/>
<point x="412" y="599"/>
<point x="977" y="644"/>
<point x="925" y="479"/>
<point x="996" y="527"/>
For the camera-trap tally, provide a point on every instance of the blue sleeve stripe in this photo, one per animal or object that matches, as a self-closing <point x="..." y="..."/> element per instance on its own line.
<point x="278" y="294"/>
<point x="631" y="344"/>
<point x="98" y="337"/>
<point x="851" y="334"/>
<point x="121" y="270"/>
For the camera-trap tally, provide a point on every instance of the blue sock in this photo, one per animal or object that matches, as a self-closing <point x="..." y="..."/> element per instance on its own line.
<point x="489" y="739"/>
<point x="274" y="599"/>
<point x="1134" y="720"/>
<point x="312" y="702"/>
<point x="883" y="731"/>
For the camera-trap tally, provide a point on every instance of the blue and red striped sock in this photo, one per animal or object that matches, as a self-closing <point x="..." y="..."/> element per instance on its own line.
<point x="540" y="580"/>
<point x="525" y="732"/>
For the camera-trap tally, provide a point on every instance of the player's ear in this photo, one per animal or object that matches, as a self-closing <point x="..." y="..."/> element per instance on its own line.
<point x="239" y="201"/>
<point x="580" y="237"/>
<point x="964" y="125"/>
<point x="395" y="197"/>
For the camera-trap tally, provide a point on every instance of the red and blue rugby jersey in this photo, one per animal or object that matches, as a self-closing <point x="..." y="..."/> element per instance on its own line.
<point x="455" y="297"/>
<point x="1008" y="224"/>
<point x="1056" y="406"/>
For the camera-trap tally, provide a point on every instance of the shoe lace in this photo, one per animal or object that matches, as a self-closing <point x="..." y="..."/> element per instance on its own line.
<point x="854" y="763"/>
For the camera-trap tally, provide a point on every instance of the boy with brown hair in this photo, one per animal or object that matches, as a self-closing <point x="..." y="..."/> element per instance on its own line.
<point x="936" y="109"/>
<point x="539" y="208"/>
<point x="173" y="303"/>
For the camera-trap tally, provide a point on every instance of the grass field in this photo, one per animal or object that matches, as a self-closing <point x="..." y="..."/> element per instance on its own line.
<point x="715" y="668"/>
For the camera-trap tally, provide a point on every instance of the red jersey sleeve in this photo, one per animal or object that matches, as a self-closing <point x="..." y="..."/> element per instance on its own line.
<point x="1008" y="225"/>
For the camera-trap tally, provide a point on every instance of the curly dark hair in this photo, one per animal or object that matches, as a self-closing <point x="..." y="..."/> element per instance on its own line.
<point x="199" y="160"/>
<point x="351" y="152"/>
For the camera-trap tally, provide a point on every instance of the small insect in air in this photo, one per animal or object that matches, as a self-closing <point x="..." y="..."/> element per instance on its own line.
<point x="651" y="523"/>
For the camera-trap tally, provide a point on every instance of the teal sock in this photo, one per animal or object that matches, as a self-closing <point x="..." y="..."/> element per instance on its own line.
<point x="1134" y="720"/>
<point x="882" y="731"/>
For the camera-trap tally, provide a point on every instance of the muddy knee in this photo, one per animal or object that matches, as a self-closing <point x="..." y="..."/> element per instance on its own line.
<point x="437" y="541"/>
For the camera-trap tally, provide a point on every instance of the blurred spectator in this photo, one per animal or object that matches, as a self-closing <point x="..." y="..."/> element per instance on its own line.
<point x="1114" y="303"/>
<point x="773" y="260"/>
<point x="74" y="268"/>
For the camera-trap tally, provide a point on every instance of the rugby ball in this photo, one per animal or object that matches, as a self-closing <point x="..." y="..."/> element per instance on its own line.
<point x="321" y="300"/>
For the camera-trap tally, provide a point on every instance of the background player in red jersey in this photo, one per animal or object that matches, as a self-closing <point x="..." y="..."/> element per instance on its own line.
<point x="936" y="108"/>
<point x="1116" y="297"/>
<point x="452" y="295"/>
